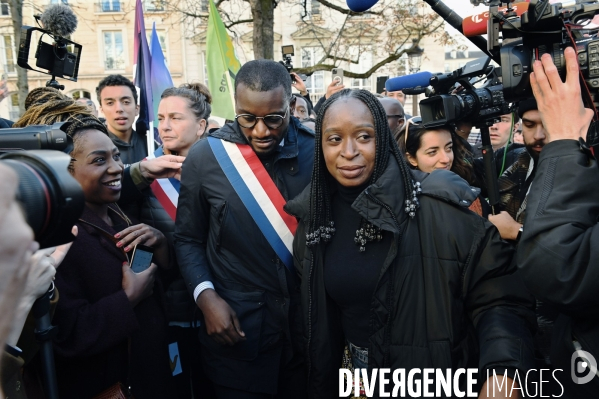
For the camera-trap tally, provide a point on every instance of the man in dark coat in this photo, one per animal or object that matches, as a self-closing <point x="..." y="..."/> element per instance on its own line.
<point x="558" y="254"/>
<point x="248" y="297"/>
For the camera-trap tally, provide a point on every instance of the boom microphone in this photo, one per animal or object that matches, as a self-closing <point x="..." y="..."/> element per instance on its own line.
<point x="414" y="81"/>
<point x="59" y="19"/>
<point x="475" y="25"/>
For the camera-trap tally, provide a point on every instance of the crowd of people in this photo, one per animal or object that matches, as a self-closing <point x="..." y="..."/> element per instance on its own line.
<point x="301" y="239"/>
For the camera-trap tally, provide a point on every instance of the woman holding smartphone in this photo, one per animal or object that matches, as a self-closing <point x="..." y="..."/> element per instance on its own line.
<point x="111" y="323"/>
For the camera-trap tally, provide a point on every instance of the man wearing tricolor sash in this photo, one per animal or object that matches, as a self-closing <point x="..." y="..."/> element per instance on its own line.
<point x="233" y="239"/>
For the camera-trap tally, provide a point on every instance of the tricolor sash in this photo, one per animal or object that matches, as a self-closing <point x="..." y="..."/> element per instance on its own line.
<point x="259" y="194"/>
<point x="166" y="190"/>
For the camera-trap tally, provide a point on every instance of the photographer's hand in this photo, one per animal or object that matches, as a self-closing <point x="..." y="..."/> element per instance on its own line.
<point x="299" y="84"/>
<point x="560" y="104"/>
<point x="333" y="88"/>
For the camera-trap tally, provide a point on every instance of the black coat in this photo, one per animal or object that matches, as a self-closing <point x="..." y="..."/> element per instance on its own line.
<point x="217" y="240"/>
<point x="558" y="254"/>
<point x="447" y="277"/>
<point x="101" y="339"/>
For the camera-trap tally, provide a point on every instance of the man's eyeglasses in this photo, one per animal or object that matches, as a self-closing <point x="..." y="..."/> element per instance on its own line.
<point x="395" y="116"/>
<point x="248" y="121"/>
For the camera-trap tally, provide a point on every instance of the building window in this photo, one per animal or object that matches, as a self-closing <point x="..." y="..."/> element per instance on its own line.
<point x="162" y="39"/>
<point x="4" y="8"/>
<point x="77" y="94"/>
<point x="8" y="53"/>
<point x="312" y="8"/>
<point x="365" y="63"/>
<point x="315" y="82"/>
<point x="110" y="6"/>
<point x="154" y="5"/>
<point x="114" y="51"/>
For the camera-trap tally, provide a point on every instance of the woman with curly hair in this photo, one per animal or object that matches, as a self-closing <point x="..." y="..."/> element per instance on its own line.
<point x="384" y="269"/>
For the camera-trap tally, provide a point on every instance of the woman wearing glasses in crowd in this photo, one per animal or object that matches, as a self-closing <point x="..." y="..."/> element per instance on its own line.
<point x="429" y="149"/>
<point x="383" y="270"/>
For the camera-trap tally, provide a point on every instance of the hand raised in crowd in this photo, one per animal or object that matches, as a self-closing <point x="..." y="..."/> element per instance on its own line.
<point x="333" y="88"/>
<point x="162" y="167"/>
<point x="221" y="321"/>
<point x="298" y="83"/>
<point x="556" y="98"/>
<point x="507" y="226"/>
<point x="138" y="286"/>
<point x="139" y="234"/>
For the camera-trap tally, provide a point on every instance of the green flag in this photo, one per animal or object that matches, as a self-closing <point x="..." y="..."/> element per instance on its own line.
<point x="222" y="66"/>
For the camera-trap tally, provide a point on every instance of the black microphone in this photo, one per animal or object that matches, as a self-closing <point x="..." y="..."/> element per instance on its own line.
<point x="59" y="19"/>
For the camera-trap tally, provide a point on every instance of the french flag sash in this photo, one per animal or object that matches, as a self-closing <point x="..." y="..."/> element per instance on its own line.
<point x="166" y="190"/>
<point x="259" y="194"/>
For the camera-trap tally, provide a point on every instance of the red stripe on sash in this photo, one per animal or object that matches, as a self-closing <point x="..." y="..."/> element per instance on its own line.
<point x="268" y="185"/>
<point x="164" y="200"/>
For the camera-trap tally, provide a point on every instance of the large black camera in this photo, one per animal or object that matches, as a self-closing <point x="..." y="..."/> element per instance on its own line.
<point x="544" y="28"/>
<point x="51" y="198"/>
<point x="455" y="98"/>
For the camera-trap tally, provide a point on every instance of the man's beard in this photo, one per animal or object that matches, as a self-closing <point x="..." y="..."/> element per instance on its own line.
<point x="534" y="154"/>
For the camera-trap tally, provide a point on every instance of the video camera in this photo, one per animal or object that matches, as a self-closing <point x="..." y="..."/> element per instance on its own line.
<point x="288" y="52"/>
<point x="544" y="28"/>
<point x="58" y="57"/>
<point x="52" y="199"/>
<point x="455" y="98"/>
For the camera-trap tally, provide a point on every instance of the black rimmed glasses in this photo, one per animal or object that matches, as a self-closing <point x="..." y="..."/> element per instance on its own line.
<point x="248" y="121"/>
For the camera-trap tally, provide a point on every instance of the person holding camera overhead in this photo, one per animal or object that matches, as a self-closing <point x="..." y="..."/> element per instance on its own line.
<point x="558" y="253"/>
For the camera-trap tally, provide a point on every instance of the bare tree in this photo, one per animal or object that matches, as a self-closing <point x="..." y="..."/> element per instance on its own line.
<point x="387" y="31"/>
<point x="16" y="13"/>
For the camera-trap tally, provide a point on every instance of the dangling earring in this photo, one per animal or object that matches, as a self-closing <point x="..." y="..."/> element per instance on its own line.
<point x="366" y="233"/>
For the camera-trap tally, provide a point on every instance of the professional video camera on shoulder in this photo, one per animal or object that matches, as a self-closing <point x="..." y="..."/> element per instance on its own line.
<point x="54" y="54"/>
<point x="52" y="199"/>
<point x="455" y="98"/>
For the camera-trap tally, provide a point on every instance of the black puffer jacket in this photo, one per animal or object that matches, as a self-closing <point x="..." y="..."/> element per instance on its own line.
<point x="447" y="277"/>
<point x="217" y="240"/>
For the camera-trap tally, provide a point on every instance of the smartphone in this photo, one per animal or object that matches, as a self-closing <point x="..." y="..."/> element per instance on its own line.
<point x="142" y="258"/>
<point x="337" y="75"/>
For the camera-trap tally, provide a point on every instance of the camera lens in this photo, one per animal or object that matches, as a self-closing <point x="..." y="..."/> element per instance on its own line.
<point x="51" y="198"/>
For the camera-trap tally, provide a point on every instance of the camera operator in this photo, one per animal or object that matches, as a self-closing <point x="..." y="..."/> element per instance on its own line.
<point x="558" y="253"/>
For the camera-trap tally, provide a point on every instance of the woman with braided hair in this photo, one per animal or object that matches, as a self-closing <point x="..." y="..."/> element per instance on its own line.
<point x="111" y="322"/>
<point x="383" y="270"/>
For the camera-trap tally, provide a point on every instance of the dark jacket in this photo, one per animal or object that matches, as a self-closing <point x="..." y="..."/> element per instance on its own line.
<point x="437" y="288"/>
<point x="96" y="323"/>
<point x="217" y="240"/>
<point x="558" y="254"/>
<point x="131" y="152"/>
